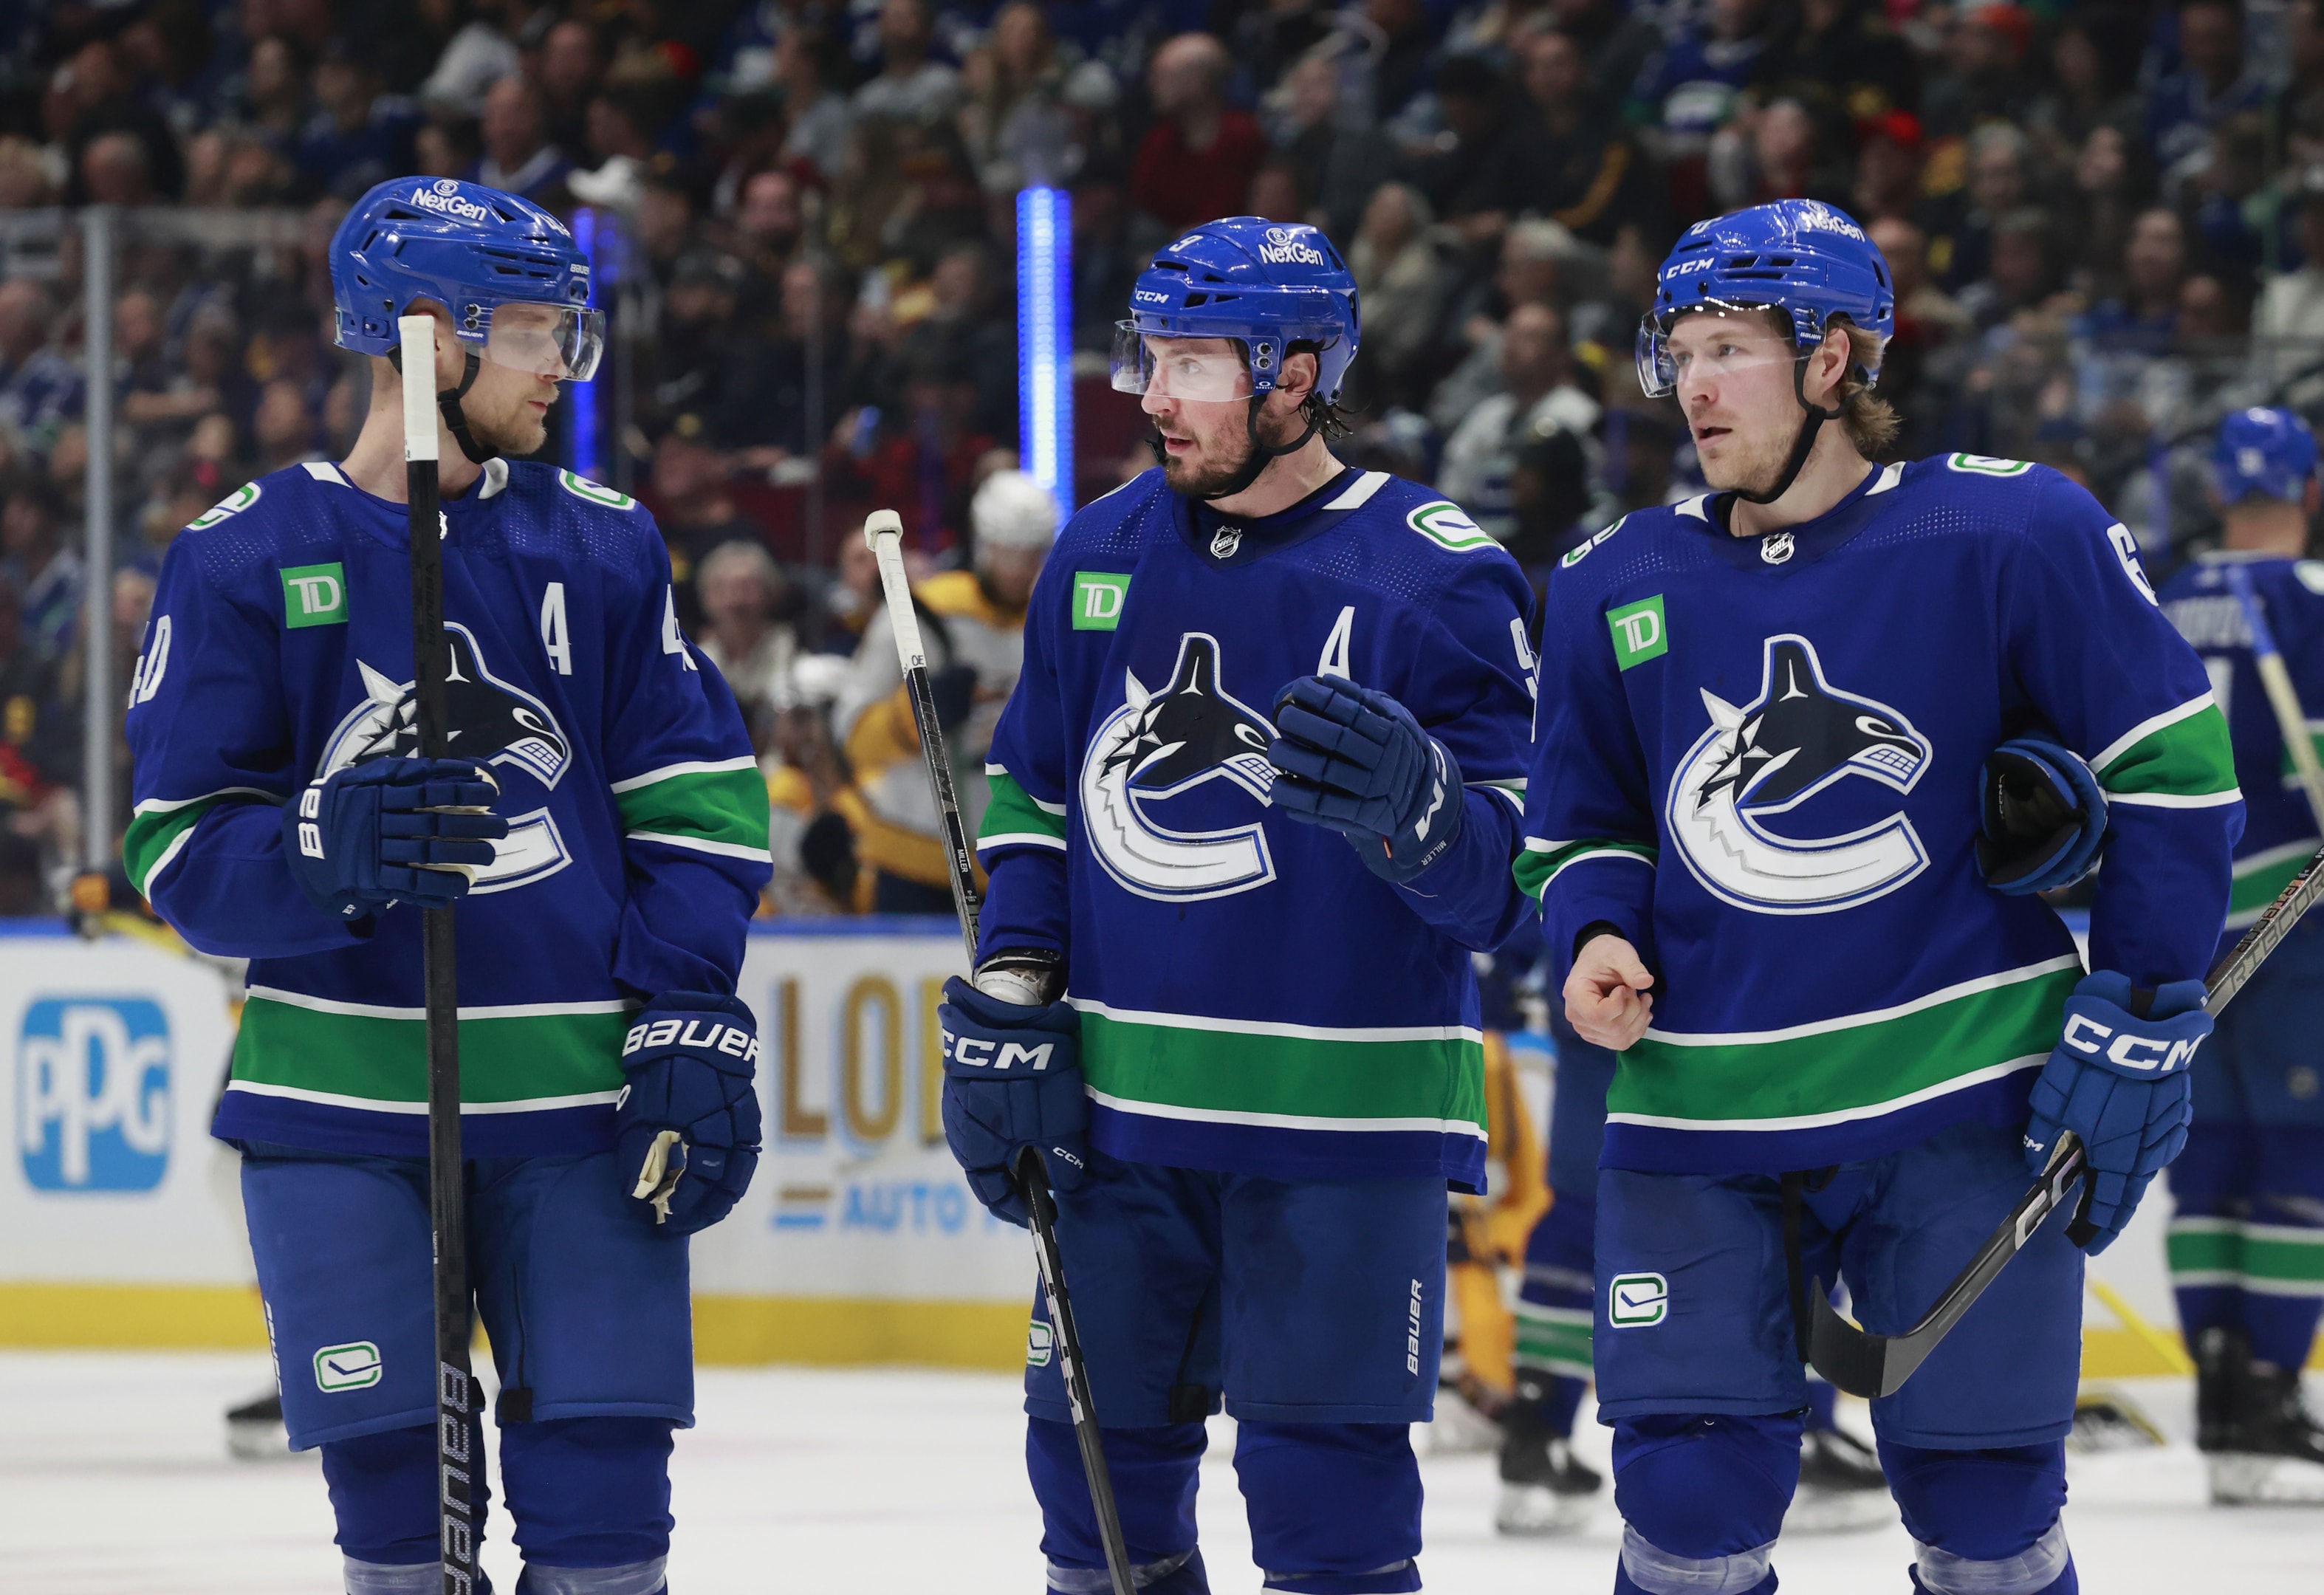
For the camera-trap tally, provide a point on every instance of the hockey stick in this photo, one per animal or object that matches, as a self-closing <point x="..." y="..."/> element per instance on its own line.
<point x="1865" y="1364"/>
<point x="447" y="1218"/>
<point x="883" y="529"/>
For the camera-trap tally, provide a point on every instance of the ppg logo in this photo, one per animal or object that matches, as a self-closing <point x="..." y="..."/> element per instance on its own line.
<point x="93" y="1093"/>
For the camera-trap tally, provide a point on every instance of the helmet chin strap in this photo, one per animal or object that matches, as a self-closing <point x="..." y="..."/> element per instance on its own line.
<point x="447" y="404"/>
<point x="1261" y="455"/>
<point x="1809" y="425"/>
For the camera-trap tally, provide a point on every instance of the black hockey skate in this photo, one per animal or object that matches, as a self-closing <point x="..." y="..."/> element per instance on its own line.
<point x="2269" y="1448"/>
<point x="1545" y="1489"/>
<point x="254" y="1431"/>
<point x="1841" y="1486"/>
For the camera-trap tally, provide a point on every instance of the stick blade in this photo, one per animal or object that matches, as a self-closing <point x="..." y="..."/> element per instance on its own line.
<point x="1852" y="1359"/>
<point x="881" y="523"/>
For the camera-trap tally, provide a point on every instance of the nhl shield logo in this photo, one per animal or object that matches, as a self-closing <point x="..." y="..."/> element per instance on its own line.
<point x="1164" y="752"/>
<point x="1798" y="738"/>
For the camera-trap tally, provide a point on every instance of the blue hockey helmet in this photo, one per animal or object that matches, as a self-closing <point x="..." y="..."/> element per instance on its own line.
<point x="1268" y="285"/>
<point x="1797" y="255"/>
<point x="472" y="250"/>
<point x="2263" y="451"/>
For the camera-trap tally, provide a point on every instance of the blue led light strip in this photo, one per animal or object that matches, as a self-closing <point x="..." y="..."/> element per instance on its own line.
<point x="1045" y="348"/>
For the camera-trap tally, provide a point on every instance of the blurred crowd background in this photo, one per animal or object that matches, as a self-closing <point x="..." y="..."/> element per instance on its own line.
<point x="2105" y="223"/>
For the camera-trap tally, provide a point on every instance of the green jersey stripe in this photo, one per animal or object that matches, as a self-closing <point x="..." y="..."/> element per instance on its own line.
<point x="1011" y="815"/>
<point x="1842" y="1072"/>
<point x="523" y="1063"/>
<point x="1002" y="769"/>
<point x="1292" y="1082"/>
<point x="1363" y="1124"/>
<point x="1553" y="1337"/>
<point x="711" y="809"/>
<point x="2186" y="755"/>
<point x="1542" y="861"/>
<point x="159" y="829"/>
<point x="1873" y="1016"/>
<point x="690" y="767"/>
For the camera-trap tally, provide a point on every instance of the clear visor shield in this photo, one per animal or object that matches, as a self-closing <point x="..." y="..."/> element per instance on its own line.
<point x="1192" y="370"/>
<point x="563" y="341"/>
<point x="1707" y="343"/>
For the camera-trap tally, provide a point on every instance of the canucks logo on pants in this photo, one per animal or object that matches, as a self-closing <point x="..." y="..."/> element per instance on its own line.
<point x="492" y="722"/>
<point x="1169" y="747"/>
<point x="1798" y="737"/>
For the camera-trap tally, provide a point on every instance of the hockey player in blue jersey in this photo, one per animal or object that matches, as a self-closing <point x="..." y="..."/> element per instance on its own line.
<point x="1753" y="822"/>
<point x="2247" y="1224"/>
<point x="1254" y="801"/>
<point x="603" y="836"/>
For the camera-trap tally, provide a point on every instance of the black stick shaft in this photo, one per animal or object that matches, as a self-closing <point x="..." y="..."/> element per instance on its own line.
<point x="883" y="531"/>
<point x="456" y="1459"/>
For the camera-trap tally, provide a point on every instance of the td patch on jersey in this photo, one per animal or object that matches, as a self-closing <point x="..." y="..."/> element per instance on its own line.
<point x="1191" y="753"/>
<point x="492" y="722"/>
<point x="1798" y="738"/>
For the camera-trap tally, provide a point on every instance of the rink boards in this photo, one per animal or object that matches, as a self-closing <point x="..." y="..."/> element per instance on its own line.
<point x="119" y="1223"/>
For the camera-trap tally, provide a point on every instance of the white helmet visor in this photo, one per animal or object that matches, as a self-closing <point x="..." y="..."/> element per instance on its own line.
<point x="1708" y="341"/>
<point x="1192" y="370"/>
<point x="562" y="341"/>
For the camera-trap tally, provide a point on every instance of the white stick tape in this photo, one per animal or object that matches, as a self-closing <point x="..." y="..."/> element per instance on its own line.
<point x="883" y="529"/>
<point x="418" y="336"/>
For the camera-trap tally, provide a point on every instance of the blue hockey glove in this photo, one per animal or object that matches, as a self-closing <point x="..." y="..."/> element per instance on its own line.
<point x="686" y="1125"/>
<point x="1356" y="760"/>
<point x="1012" y="1080"/>
<point x="2044" y="816"/>
<point x="393" y="830"/>
<point x="2119" y="1080"/>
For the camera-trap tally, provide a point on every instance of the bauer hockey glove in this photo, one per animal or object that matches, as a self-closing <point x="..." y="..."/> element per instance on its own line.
<point x="687" y="1124"/>
<point x="2118" y="1079"/>
<point x="393" y="830"/>
<point x="1355" y="760"/>
<point x="2044" y="816"/>
<point x="1012" y="1080"/>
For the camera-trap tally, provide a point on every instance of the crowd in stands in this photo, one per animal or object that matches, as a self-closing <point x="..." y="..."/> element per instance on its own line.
<point x="2105" y="222"/>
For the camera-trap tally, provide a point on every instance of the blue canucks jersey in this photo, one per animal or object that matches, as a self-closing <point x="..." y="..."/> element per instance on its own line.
<point x="1759" y="762"/>
<point x="1253" y="998"/>
<point x="279" y="648"/>
<point x="2279" y="832"/>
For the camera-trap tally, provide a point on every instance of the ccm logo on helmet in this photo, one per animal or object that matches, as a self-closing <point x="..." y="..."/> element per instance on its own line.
<point x="978" y="1053"/>
<point x="445" y="197"/>
<point x="1153" y="299"/>
<point x="695" y="1036"/>
<point x="2085" y="1036"/>
<point x="1284" y="247"/>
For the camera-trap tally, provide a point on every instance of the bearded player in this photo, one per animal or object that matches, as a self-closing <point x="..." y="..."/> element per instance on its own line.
<point x="1847" y="1034"/>
<point x="1254" y="802"/>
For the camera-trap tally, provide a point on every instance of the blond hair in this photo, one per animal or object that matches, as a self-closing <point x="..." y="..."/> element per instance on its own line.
<point x="1870" y="421"/>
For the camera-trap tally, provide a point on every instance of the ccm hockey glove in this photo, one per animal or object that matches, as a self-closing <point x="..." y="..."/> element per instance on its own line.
<point x="1012" y="1080"/>
<point x="2118" y="1079"/>
<point x="393" y="830"/>
<point x="1355" y="760"/>
<point x="687" y="1124"/>
<point x="2044" y="816"/>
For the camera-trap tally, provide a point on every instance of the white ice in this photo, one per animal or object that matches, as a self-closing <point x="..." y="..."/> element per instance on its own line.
<point x="114" y="1481"/>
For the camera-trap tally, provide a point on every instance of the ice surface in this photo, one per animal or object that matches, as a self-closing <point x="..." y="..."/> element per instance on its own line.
<point x="114" y="1481"/>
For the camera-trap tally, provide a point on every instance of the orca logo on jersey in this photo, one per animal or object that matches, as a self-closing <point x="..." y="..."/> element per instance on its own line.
<point x="1167" y="744"/>
<point x="1798" y="738"/>
<point x="492" y="722"/>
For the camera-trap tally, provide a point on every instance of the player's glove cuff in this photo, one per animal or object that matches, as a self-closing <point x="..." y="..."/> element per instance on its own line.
<point x="1012" y="1080"/>
<point x="687" y="1126"/>
<point x="1356" y="761"/>
<point x="389" y="830"/>
<point x="2043" y="817"/>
